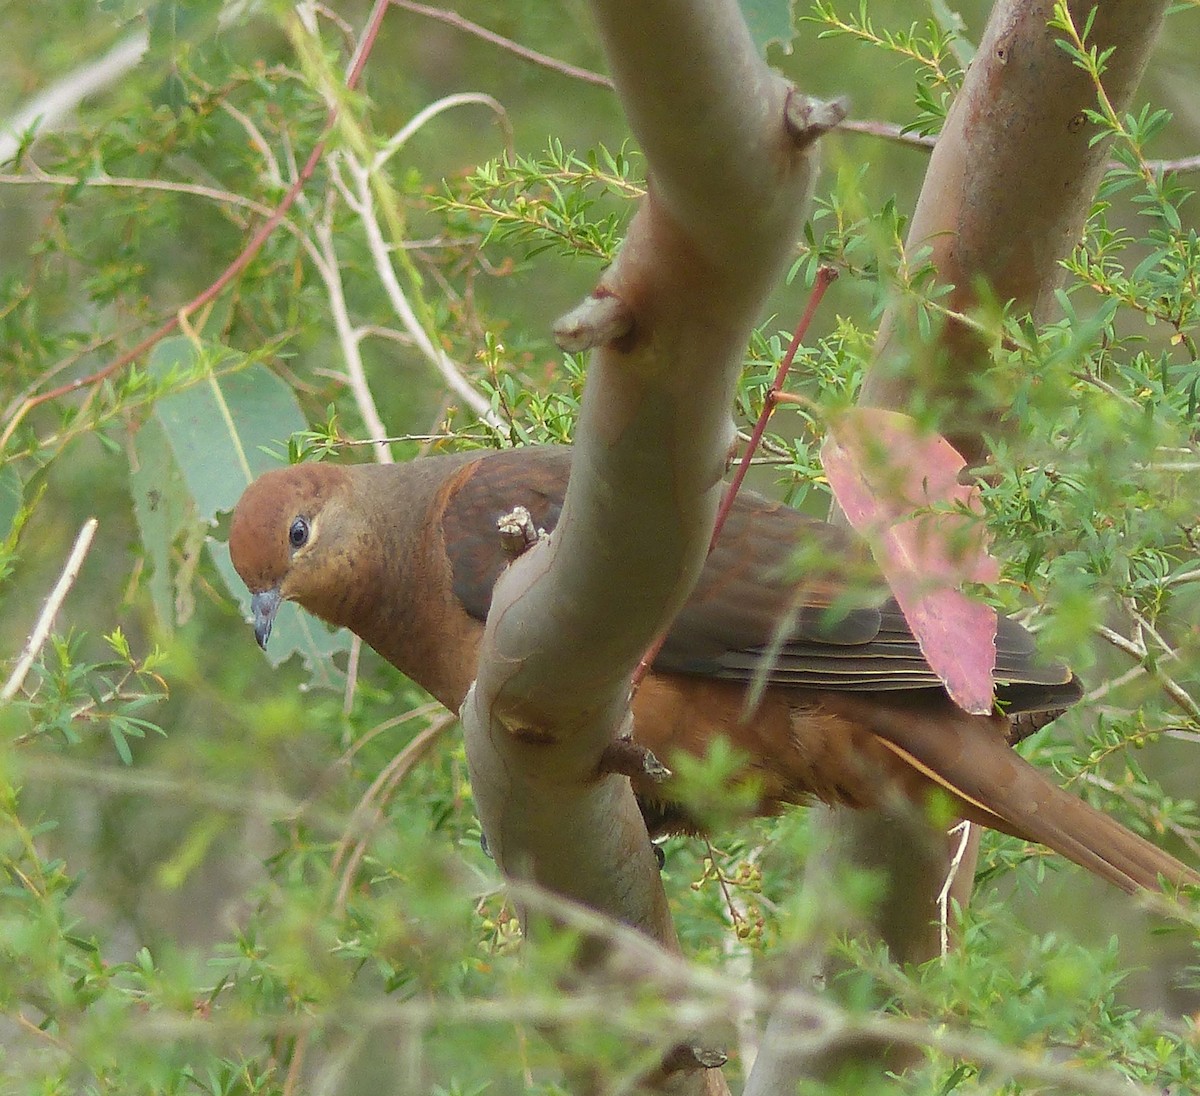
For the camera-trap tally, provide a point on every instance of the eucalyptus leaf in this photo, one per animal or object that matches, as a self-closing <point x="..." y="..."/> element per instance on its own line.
<point x="218" y="423"/>
<point x="164" y="510"/>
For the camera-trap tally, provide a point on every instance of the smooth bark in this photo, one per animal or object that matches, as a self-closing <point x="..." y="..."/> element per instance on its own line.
<point x="730" y="172"/>
<point x="1008" y="190"/>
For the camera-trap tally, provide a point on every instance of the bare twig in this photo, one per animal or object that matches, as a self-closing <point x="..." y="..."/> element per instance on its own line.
<point x="45" y="621"/>
<point x="361" y="202"/>
<point x="368" y="814"/>
<point x="448" y="102"/>
<point x="349" y="339"/>
<point x="224" y="197"/>
<point x="1137" y="649"/>
<point x="455" y="20"/>
<point x="1156" y="821"/>
<point x="963" y="829"/>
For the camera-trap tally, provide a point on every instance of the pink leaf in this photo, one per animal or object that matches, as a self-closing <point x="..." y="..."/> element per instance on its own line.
<point x="899" y="488"/>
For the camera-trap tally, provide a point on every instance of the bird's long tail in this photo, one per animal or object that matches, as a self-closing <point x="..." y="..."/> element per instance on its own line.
<point x="970" y="759"/>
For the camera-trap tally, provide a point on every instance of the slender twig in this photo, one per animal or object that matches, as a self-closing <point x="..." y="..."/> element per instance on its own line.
<point x="889" y="131"/>
<point x="257" y="140"/>
<point x="1138" y="650"/>
<point x="826" y="275"/>
<point x="368" y="814"/>
<point x="1102" y="690"/>
<point x="466" y="98"/>
<point x="360" y="201"/>
<point x="453" y="19"/>
<point x="1156" y="821"/>
<point x="224" y="197"/>
<point x="45" y="621"/>
<point x="356" y="373"/>
<point x="351" y="674"/>
<point x="963" y="829"/>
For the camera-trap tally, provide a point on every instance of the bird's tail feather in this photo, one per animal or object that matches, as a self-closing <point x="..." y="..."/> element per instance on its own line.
<point x="1000" y="789"/>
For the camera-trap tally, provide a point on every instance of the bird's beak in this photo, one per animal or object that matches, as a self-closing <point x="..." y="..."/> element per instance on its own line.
<point x="264" y="606"/>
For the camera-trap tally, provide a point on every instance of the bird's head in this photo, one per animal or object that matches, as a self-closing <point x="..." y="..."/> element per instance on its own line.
<point x="297" y="535"/>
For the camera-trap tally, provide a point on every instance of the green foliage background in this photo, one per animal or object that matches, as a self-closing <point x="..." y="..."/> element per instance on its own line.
<point x="224" y="875"/>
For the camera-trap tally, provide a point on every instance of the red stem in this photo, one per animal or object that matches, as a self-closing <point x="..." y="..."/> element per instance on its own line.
<point x="826" y="275"/>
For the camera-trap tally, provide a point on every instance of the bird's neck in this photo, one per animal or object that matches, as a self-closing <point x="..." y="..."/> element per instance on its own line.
<point x="410" y="616"/>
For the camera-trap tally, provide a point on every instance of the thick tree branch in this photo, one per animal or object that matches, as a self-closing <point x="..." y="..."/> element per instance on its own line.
<point x="1008" y="190"/>
<point x="1009" y="187"/>
<point x="572" y="616"/>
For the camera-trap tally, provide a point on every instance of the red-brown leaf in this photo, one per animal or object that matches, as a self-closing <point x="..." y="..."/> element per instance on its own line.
<point x="899" y="488"/>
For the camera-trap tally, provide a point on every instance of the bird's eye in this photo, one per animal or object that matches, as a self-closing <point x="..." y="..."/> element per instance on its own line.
<point x="298" y="533"/>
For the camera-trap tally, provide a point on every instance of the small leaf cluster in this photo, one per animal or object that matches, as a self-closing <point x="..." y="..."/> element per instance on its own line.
<point x="935" y="47"/>
<point x="552" y="203"/>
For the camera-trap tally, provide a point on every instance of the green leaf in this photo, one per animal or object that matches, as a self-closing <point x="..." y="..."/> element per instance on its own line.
<point x="164" y="510"/>
<point x="10" y="499"/>
<point x="217" y="424"/>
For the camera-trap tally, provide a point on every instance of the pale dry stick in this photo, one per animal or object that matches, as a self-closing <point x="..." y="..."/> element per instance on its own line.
<point x="463" y="98"/>
<point x="1183" y="577"/>
<point x="963" y="828"/>
<point x="45" y="621"/>
<point x="341" y="24"/>
<point x="1171" y="687"/>
<point x="224" y="197"/>
<point x="351" y="674"/>
<point x="420" y="712"/>
<point x="362" y="203"/>
<point x="257" y="140"/>
<point x="344" y="759"/>
<point x="890" y="131"/>
<point x="348" y="339"/>
<point x="1144" y="626"/>
<point x="41" y="1033"/>
<point x="1107" y="389"/>
<point x="1112" y="684"/>
<point x="50" y="106"/>
<point x="361" y="828"/>
<point x="767" y="445"/>
<point x="356" y="376"/>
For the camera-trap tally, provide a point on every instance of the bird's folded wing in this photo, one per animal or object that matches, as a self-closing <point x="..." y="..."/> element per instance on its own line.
<point x="783" y="597"/>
